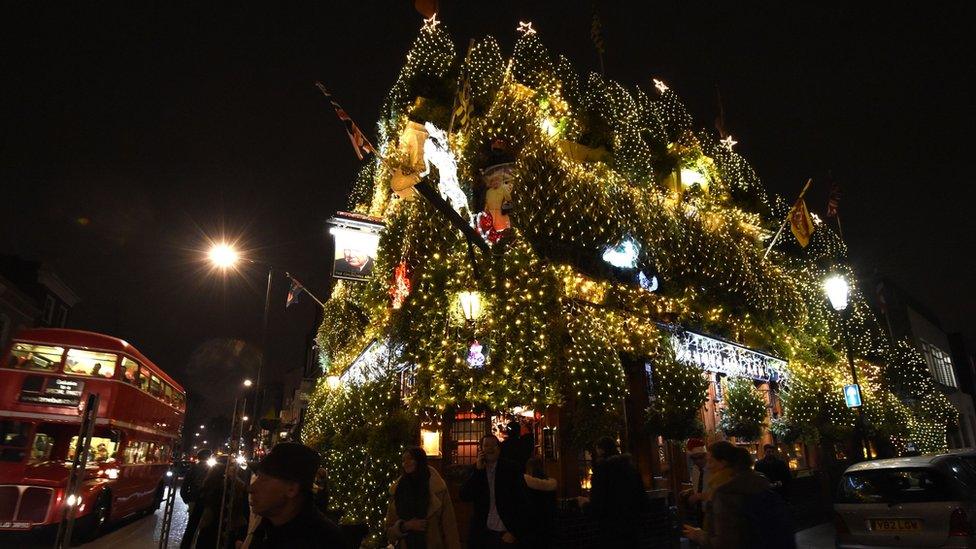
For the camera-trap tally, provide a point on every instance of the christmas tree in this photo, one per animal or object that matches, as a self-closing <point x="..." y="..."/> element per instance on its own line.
<point x="609" y="221"/>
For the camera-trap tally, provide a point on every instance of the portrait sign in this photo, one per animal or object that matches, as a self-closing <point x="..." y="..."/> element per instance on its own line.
<point x="356" y="238"/>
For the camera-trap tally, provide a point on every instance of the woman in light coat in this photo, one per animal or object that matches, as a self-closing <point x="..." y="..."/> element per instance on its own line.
<point x="421" y="514"/>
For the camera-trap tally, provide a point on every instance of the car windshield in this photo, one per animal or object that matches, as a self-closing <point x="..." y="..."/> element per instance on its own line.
<point x="901" y="485"/>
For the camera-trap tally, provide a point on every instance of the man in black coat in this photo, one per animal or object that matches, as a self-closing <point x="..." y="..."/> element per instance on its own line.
<point x="617" y="497"/>
<point x="775" y="470"/>
<point x="281" y="494"/>
<point x="497" y="489"/>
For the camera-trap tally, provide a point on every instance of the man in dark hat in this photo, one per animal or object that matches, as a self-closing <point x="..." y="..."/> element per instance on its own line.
<point x="281" y="494"/>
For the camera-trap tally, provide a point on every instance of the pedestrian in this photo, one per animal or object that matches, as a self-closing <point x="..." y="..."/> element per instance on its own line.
<point x="617" y="497"/>
<point x="223" y="493"/>
<point x="281" y="494"/>
<point x="190" y="492"/>
<point x="541" y="496"/>
<point x="421" y="514"/>
<point x="693" y="499"/>
<point x="741" y="511"/>
<point x="497" y="490"/>
<point x="320" y="490"/>
<point x="776" y="470"/>
<point x="517" y="447"/>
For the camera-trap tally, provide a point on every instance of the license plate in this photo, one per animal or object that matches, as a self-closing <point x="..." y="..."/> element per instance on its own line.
<point x="15" y="525"/>
<point x="896" y="525"/>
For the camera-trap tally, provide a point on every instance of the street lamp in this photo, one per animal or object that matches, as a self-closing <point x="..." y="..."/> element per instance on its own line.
<point x="838" y="291"/>
<point x="223" y="256"/>
<point x="470" y="302"/>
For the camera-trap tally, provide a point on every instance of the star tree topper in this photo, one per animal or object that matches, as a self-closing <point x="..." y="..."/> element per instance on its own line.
<point x="660" y="86"/>
<point x="728" y="142"/>
<point x="431" y="24"/>
<point x="526" y="28"/>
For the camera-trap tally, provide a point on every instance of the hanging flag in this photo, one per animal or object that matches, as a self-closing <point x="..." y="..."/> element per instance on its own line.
<point x="801" y="223"/>
<point x="294" y="291"/>
<point x="427" y="8"/>
<point x="833" y="200"/>
<point x="359" y="142"/>
<point x="462" y="113"/>
<point x="596" y="33"/>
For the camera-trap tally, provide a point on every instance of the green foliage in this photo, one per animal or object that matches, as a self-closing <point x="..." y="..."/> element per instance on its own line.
<point x="680" y="391"/>
<point x="784" y="430"/>
<point x="745" y="410"/>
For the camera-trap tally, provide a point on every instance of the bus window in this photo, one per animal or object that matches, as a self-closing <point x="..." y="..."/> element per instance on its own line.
<point x="144" y="378"/>
<point x="135" y="452"/>
<point x="35" y="357"/>
<point x="168" y="393"/>
<point x="156" y="386"/>
<point x="181" y="402"/>
<point x="90" y="363"/>
<point x="13" y="440"/>
<point x="130" y="371"/>
<point x="41" y="449"/>
<point x="101" y="449"/>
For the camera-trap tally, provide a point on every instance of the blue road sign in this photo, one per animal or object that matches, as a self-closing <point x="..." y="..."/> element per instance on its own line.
<point x="852" y="395"/>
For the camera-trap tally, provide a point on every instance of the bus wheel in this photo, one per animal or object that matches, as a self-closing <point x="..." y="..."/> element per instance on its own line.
<point x="96" y="521"/>
<point x="157" y="499"/>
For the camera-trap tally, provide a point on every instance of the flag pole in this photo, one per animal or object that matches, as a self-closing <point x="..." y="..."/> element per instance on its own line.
<point x="335" y="104"/>
<point x="310" y="294"/>
<point x="785" y="221"/>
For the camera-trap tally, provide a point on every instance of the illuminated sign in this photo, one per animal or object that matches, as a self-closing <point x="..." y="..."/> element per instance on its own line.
<point x="52" y="391"/>
<point x="356" y="239"/>
<point x="716" y="355"/>
<point x="852" y="395"/>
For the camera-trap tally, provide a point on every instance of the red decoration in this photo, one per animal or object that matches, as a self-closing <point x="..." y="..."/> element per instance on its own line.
<point x="400" y="288"/>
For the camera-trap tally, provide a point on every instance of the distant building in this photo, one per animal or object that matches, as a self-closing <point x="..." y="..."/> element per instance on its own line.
<point x="906" y="318"/>
<point x="31" y="295"/>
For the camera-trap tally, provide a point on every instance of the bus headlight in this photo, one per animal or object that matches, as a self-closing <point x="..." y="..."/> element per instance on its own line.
<point x="211" y="461"/>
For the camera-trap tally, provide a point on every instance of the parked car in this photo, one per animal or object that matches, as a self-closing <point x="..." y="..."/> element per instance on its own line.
<point x="921" y="501"/>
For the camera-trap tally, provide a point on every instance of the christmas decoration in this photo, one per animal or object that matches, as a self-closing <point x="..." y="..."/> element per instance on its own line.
<point x="616" y="226"/>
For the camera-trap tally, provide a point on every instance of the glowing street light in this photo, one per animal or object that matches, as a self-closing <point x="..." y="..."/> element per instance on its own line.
<point x="470" y="302"/>
<point x="223" y="255"/>
<point x="248" y="383"/>
<point x="245" y="418"/>
<point x="837" y="290"/>
<point x="202" y="427"/>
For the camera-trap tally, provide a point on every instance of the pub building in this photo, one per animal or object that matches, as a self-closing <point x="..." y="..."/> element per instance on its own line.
<point x="452" y="441"/>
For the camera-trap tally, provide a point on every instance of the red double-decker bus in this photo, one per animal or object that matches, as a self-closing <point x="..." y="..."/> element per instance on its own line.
<point x="45" y="377"/>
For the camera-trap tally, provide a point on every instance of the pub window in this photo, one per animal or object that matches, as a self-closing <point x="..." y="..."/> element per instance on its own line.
<point x="466" y="433"/>
<point x="90" y="363"/>
<point x="35" y="357"/>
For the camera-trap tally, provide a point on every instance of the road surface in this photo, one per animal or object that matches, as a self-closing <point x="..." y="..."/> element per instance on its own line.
<point x="144" y="532"/>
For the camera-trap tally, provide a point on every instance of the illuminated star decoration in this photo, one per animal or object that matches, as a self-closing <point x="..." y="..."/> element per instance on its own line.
<point x="728" y="142"/>
<point x="431" y="24"/>
<point x="660" y="86"/>
<point x="526" y="28"/>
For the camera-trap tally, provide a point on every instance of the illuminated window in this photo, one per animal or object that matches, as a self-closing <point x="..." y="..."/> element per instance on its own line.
<point x="466" y="433"/>
<point x="90" y="363"/>
<point x="101" y="449"/>
<point x="144" y="378"/>
<point x="35" y="357"/>
<point x="939" y="364"/>
<point x="130" y="371"/>
<point x="41" y="449"/>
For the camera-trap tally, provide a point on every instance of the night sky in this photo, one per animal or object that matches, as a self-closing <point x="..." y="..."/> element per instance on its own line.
<point x="129" y="136"/>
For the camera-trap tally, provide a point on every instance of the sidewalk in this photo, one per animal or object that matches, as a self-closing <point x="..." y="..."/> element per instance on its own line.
<point x="818" y="537"/>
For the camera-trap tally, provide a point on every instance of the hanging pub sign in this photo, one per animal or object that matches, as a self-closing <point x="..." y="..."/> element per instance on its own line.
<point x="734" y="360"/>
<point x="356" y="238"/>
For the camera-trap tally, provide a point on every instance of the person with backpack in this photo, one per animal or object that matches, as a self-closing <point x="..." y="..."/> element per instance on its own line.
<point x="741" y="511"/>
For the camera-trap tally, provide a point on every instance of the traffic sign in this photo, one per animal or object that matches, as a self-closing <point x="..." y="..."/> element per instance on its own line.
<point x="852" y="395"/>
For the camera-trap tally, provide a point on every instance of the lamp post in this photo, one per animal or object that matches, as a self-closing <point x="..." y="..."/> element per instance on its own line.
<point x="225" y="256"/>
<point x="838" y="290"/>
